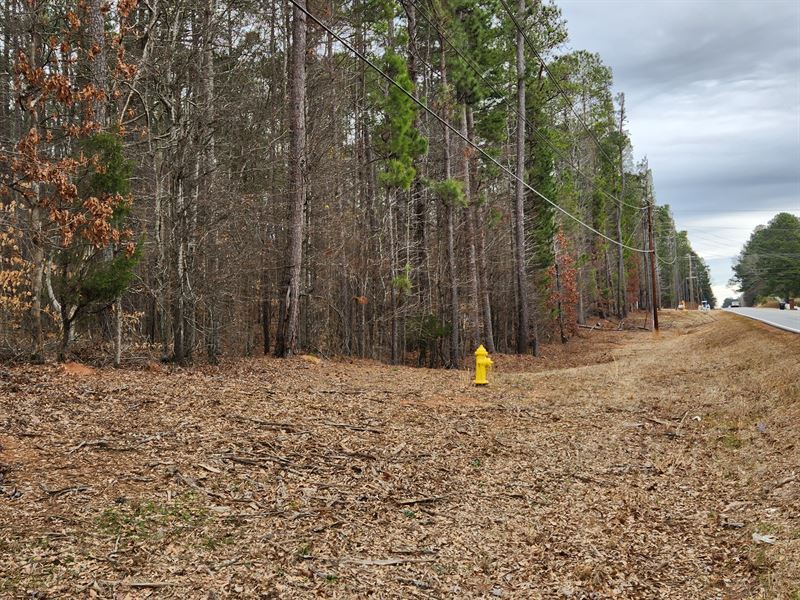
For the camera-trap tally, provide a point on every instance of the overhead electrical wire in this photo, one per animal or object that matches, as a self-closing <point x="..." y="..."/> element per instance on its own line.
<point x="572" y="107"/>
<point x="664" y="261"/>
<point x="444" y="123"/>
<point x="475" y="69"/>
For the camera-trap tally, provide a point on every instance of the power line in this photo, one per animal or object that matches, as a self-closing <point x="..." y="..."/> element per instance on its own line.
<point x="503" y="97"/>
<point x="444" y="123"/>
<point x="666" y="262"/>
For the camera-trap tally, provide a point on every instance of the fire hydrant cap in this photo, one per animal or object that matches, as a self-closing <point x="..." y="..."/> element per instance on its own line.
<point x="481" y="351"/>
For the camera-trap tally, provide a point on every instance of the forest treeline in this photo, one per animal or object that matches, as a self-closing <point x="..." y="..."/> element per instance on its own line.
<point x="225" y="177"/>
<point x="769" y="263"/>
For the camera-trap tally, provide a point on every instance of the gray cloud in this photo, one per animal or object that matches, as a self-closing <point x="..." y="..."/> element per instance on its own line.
<point x="713" y="95"/>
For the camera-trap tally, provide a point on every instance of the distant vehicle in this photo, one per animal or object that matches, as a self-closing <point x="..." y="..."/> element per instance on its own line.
<point x="735" y="304"/>
<point x="704" y="306"/>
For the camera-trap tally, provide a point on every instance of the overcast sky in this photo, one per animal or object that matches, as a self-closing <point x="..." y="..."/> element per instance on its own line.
<point x="712" y="92"/>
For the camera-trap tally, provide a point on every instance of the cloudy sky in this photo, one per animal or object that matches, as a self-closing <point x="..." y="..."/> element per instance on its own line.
<point x="712" y="91"/>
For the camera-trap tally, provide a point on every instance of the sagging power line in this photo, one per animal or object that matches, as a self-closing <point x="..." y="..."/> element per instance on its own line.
<point x="454" y="130"/>
<point x="476" y="69"/>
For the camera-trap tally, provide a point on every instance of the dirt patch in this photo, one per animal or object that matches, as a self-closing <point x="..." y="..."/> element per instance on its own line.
<point x="640" y="467"/>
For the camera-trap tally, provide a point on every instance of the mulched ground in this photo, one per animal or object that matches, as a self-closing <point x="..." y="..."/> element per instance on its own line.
<point x="643" y="469"/>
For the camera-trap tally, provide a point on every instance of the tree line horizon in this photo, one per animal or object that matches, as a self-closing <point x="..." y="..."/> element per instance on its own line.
<point x="216" y="178"/>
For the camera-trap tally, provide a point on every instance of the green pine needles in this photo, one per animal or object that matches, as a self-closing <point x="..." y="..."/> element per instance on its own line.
<point x="400" y="142"/>
<point x="449" y="192"/>
<point x="86" y="277"/>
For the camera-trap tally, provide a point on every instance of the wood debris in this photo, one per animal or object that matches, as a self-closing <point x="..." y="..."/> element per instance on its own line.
<point x="258" y="480"/>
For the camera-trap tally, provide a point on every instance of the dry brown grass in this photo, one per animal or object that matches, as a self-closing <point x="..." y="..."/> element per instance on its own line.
<point x="623" y="465"/>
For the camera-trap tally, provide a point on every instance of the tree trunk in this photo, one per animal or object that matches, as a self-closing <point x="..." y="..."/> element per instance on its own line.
<point x="559" y="306"/>
<point x="6" y="124"/>
<point x="486" y="305"/>
<point x="393" y="284"/>
<point x="178" y="322"/>
<point x="469" y="215"/>
<point x="266" y="308"/>
<point x="96" y="28"/>
<point x="519" y="205"/>
<point x="290" y="300"/>
<point x="66" y="338"/>
<point x="622" y="308"/>
<point x="117" y="331"/>
<point x="418" y="210"/>
<point x="480" y="241"/>
<point x="37" y="258"/>
<point x="209" y="178"/>
<point x="37" y="252"/>
<point x="161" y="257"/>
<point x="455" y="344"/>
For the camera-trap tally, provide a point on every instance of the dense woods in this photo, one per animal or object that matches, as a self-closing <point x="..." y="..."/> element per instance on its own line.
<point x="217" y="178"/>
<point x="769" y="263"/>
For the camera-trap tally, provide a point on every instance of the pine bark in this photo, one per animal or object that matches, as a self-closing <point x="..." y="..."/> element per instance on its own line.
<point x="393" y="285"/>
<point x="98" y="67"/>
<point x="477" y="214"/>
<point x="99" y="64"/>
<point x="469" y="216"/>
<point x="6" y="123"/>
<point x="523" y="320"/>
<point x="208" y="139"/>
<point x="622" y="308"/>
<point x="455" y="343"/>
<point x="288" y="325"/>
<point x="419" y="240"/>
<point x="37" y="238"/>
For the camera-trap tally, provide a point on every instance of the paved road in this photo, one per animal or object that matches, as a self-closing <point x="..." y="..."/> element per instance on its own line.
<point x="783" y="319"/>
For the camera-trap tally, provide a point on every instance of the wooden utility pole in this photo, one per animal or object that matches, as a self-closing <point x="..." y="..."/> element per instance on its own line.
<point x="654" y="298"/>
<point x="677" y="287"/>
<point x="691" y="283"/>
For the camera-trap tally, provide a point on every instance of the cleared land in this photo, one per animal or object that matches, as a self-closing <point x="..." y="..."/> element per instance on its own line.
<point x="642" y="469"/>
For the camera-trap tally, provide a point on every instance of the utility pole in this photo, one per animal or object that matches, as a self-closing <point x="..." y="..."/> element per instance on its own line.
<point x="691" y="283"/>
<point x="654" y="298"/>
<point x="677" y="285"/>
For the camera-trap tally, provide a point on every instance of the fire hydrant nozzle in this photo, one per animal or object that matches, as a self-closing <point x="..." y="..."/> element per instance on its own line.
<point x="482" y="364"/>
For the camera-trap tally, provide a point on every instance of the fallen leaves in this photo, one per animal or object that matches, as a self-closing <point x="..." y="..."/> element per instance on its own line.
<point x="269" y="479"/>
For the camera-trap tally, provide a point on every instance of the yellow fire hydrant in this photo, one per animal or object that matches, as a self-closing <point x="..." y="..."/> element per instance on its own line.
<point x="482" y="364"/>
